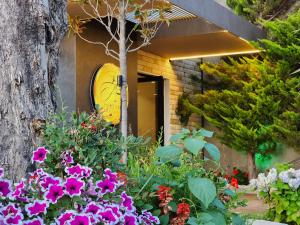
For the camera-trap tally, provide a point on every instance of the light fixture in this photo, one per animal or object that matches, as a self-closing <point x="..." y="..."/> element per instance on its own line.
<point x="215" y="55"/>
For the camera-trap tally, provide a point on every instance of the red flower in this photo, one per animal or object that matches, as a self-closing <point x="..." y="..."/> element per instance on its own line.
<point x="235" y="172"/>
<point x="83" y="125"/>
<point x="183" y="210"/>
<point x="183" y="213"/>
<point x="165" y="198"/>
<point x="227" y="177"/>
<point x="234" y="182"/>
<point x="163" y="192"/>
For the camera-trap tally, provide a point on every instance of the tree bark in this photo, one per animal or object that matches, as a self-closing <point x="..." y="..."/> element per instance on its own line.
<point x="251" y="165"/>
<point x="30" y="34"/>
<point x="123" y="70"/>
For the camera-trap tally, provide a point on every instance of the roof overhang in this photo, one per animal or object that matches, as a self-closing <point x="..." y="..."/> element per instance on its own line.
<point x="214" y="30"/>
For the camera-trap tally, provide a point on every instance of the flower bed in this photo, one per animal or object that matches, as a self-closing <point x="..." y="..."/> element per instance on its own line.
<point x="74" y="198"/>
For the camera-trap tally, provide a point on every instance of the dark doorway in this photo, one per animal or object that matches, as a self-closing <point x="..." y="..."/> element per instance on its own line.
<point x="151" y="107"/>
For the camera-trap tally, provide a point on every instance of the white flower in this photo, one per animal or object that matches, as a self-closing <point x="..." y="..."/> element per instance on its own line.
<point x="284" y="176"/>
<point x="294" y="183"/>
<point x="272" y="176"/>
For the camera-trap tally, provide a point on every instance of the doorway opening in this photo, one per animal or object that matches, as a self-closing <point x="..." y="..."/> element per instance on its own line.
<point x="151" y="107"/>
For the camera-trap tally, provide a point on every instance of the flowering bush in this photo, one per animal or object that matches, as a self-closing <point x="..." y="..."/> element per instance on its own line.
<point x="280" y="189"/>
<point x="237" y="177"/>
<point x="176" y="186"/>
<point x="74" y="198"/>
<point x="91" y="140"/>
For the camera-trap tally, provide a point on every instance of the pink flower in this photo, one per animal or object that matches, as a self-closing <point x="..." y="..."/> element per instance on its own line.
<point x="127" y="202"/>
<point x="36" y="221"/>
<point x="80" y="220"/>
<point x="113" y="177"/>
<point x="79" y="171"/>
<point x="93" y="208"/>
<point x="106" y="186"/>
<point x="36" y="208"/>
<point x="54" y="193"/>
<point x="67" y="158"/>
<point x="13" y="219"/>
<point x="130" y="219"/>
<point x="64" y="218"/>
<point x="108" y="216"/>
<point x="5" y="188"/>
<point x="40" y="155"/>
<point x="49" y="180"/>
<point x="74" y="186"/>
<point x="10" y="209"/>
<point x="148" y="219"/>
<point x="19" y="189"/>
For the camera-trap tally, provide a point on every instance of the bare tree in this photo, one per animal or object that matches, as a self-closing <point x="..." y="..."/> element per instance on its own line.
<point x="148" y="15"/>
<point x="30" y="35"/>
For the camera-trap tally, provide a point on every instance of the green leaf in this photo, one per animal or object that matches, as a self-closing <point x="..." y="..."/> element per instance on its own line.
<point x="206" y="133"/>
<point x="169" y="152"/>
<point x="237" y="220"/>
<point x="194" y="145"/>
<point x="217" y="218"/>
<point x="164" y="220"/>
<point x="205" y="217"/>
<point x="219" y="204"/>
<point x="173" y="206"/>
<point x="203" y="189"/>
<point x="147" y="207"/>
<point x="213" y="151"/>
<point x="176" y="137"/>
<point x="193" y="221"/>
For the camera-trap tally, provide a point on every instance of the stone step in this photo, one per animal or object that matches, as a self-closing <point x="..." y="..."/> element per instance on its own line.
<point x="264" y="222"/>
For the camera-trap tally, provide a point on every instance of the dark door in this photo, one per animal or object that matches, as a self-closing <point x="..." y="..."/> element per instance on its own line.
<point x="151" y="106"/>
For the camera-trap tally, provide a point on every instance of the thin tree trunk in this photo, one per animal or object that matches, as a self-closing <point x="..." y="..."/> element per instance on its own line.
<point x="251" y="165"/>
<point x="123" y="69"/>
<point x="30" y="34"/>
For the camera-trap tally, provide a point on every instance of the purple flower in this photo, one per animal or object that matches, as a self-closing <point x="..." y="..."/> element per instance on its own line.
<point x="127" y="202"/>
<point x="67" y="158"/>
<point x="91" y="188"/>
<point x="106" y="186"/>
<point x="36" y="208"/>
<point x="19" y="189"/>
<point x="75" y="171"/>
<point x="93" y="208"/>
<point x="74" y="186"/>
<point x="148" y="219"/>
<point x="64" y="218"/>
<point x="5" y="187"/>
<point x="130" y="219"/>
<point x="110" y="175"/>
<point x="108" y="216"/>
<point x="80" y="220"/>
<point x="13" y="219"/>
<point x="36" y="221"/>
<point x="54" y="193"/>
<point x="1" y="172"/>
<point x="115" y="208"/>
<point x="40" y="155"/>
<point x="10" y="209"/>
<point x="49" y="180"/>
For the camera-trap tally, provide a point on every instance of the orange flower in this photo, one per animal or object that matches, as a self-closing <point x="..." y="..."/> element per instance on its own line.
<point x="183" y="210"/>
<point x="165" y="198"/>
<point x="163" y="192"/>
<point x="234" y="182"/>
<point x="122" y="177"/>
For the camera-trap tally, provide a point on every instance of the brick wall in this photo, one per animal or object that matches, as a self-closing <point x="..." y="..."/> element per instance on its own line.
<point x="178" y="73"/>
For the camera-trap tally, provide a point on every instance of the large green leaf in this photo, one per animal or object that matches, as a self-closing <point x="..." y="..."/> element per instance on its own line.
<point x="206" y="133"/>
<point x="169" y="153"/>
<point x="213" y="151"/>
<point x="217" y="218"/>
<point x="203" y="189"/>
<point x="194" y="145"/>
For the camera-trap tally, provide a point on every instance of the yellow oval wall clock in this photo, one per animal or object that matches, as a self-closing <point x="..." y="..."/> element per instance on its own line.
<point x="106" y="92"/>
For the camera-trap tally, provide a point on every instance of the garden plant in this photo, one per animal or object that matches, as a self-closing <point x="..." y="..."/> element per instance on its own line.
<point x="281" y="190"/>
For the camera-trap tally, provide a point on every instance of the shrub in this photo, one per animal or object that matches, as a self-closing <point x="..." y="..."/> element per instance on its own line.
<point x="280" y="189"/>
<point x="174" y="184"/>
<point x="91" y="140"/>
<point x="73" y="198"/>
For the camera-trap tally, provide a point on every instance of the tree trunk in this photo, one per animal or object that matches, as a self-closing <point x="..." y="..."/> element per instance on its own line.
<point x="251" y="165"/>
<point x="123" y="69"/>
<point x="30" y="34"/>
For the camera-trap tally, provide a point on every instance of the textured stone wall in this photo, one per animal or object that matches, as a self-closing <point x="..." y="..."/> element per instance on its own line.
<point x="179" y="75"/>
